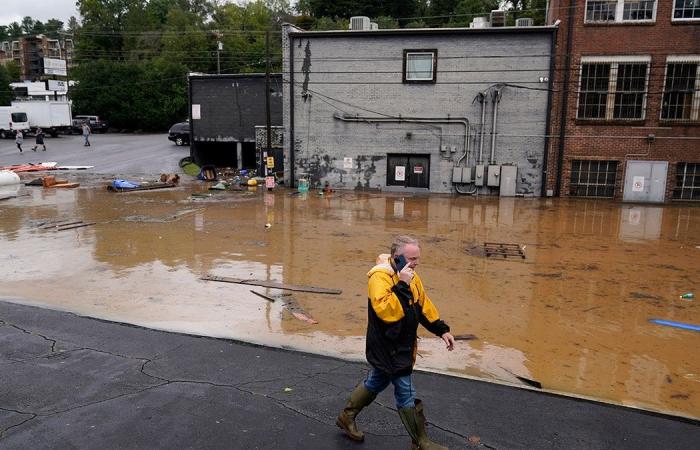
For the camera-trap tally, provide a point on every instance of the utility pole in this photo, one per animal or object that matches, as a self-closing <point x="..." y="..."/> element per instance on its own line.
<point x="219" y="47"/>
<point x="267" y="101"/>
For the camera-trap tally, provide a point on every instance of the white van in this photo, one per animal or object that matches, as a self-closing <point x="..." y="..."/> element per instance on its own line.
<point x="11" y="120"/>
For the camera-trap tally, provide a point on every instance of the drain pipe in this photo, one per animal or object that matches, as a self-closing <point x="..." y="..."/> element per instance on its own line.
<point x="496" y="100"/>
<point x="482" y="99"/>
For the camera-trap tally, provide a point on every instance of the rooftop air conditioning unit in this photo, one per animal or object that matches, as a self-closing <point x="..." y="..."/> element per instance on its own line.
<point x="524" y="22"/>
<point x="373" y="26"/>
<point x="498" y="18"/>
<point x="359" y="23"/>
<point x="480" y="22"/>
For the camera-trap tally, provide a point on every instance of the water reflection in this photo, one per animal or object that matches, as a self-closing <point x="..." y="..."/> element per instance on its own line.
<point x="574" y="315"/>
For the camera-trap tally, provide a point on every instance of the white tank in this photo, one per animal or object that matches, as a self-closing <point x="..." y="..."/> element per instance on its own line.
<point x="8" y="177"/>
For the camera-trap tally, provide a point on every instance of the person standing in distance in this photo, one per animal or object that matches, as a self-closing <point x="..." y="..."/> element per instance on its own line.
<point x="86" y="134"/>
<point x="19" y="140"/>
<point x="397" y="304"/>
<point x="39" y="139"/>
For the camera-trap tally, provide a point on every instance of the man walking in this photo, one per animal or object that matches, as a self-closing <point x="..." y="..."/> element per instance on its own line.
<point x="86" y="134"/>
<point x="397" y="304"/>
<point x="39" y="139"/>
<point x="19" y="140"/>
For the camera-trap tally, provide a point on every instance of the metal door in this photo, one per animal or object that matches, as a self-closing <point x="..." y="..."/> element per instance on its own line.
<point x="645" y="181"/>
<point x="408" y="171"/>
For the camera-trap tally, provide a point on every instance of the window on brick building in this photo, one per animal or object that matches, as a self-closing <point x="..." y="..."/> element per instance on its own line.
<point x="613" y="88"/>
<point x="604" y="11"/>
<point x="592" y="178"/>
<point x="419" y="66"/>
<point x="681" y="99"/>
<point x="686" y="9"/>
<point x="687" y="182"/>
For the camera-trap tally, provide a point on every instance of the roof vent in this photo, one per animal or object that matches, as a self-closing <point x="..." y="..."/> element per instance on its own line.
<point x="373" y="26"/>
<point x="498" y="18"/>
<point x="480" y="22"/>
<point x="524" y="22"/>
<point x="359" y="23"/>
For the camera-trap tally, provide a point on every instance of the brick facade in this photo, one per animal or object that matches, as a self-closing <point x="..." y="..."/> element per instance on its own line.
<point x="649" y="139"/>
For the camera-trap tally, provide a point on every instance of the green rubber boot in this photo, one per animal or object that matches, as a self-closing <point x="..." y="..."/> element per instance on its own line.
<point x="414" y="421"/>
<point x="359" y="398"/>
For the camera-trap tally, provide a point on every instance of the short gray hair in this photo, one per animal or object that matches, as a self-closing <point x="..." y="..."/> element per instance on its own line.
<point x="400" y="242"/>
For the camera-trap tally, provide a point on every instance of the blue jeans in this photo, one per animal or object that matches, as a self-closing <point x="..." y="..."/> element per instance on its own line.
<point x="404" y="392"/>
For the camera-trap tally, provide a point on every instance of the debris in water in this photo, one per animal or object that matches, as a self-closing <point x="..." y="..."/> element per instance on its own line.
<point x="669" y="323"/>
<point x="274" y="285"/>
<point x="465" y="337"/>
<point x="687" y="296"/>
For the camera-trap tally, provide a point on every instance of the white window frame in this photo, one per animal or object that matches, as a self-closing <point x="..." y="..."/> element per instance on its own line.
<point x="695" y="104"/>
<point x="432" y="64"/>
<point x="682" y="19"/>
<point x="614" y="61"/>
<point x="619" y="14"/>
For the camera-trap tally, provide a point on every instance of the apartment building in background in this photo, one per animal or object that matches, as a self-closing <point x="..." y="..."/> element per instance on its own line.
<point x="29" y="53"/>
<point x="626" y="104"/>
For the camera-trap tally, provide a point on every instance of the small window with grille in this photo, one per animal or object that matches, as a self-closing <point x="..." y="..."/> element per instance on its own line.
<point x="613" y="88"/>
<point x="592" y="178"/>
<point x="686" y="10"/>
<point x="687" y="182"/>
<point x="681" y="98"/>
<point x="611" y="11"/>
<point x="419" y="66"/>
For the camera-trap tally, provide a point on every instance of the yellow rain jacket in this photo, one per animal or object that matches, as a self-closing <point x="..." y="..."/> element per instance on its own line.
<point x="395" y="309"/>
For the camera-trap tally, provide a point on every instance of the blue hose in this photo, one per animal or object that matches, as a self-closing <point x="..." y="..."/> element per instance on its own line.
<point x="685" y="326"/>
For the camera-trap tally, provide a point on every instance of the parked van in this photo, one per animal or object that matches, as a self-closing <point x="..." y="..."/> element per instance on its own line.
<point x="51" y="116"/>
<point x="11" y="120"/>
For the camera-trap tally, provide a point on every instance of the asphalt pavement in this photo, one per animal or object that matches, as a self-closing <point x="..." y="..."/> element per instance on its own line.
<point x="75" y="382"/>
<point x="109" y="153"/>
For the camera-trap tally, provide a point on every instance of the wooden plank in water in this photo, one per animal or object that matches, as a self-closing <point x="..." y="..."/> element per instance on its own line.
<point x="273" y="285"/>
<point x="80" y="225"/>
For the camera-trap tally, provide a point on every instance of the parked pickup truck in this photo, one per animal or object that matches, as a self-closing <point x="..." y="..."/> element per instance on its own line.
<point x="94" y="122"/>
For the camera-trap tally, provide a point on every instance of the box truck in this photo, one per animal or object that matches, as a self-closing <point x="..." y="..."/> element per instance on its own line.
<point x="52" y="116"/>
<point x="11" y="120"/>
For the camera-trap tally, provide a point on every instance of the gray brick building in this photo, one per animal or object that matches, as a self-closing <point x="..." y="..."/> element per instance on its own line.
<point x="402" y="109"/>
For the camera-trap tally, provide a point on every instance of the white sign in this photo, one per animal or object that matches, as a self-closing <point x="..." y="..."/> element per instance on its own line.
<point x="400" y="173"/>
<point x="347" y="163"/>
<point x="54" y="66"/>
<point x="417" y="169"/>
<point x="638" y="184"/>
<point x="196" y="112"/>
<point x="56" y="85"/>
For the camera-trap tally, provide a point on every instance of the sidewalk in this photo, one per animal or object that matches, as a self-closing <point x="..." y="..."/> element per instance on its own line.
<point x="75" y="382"/>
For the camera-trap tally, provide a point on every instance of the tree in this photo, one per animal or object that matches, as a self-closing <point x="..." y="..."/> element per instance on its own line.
<point x="466" y="10"/>
<point x="536" y="9"/>
<point x="14" y="30"/>
<point x="14" y="71"/>
<point x="28" y="25"/>
<point x="53" y="27"/>
<point x="6" y="95"/>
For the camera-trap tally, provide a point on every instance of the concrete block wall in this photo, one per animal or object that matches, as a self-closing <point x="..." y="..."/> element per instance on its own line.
<point x="341" y="74"/>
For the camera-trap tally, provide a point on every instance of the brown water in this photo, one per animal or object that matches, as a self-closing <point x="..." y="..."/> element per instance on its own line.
<point x="573" y="316"/>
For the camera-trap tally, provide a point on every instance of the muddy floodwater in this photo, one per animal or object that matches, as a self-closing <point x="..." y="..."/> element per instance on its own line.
<point x="573" y="314"/>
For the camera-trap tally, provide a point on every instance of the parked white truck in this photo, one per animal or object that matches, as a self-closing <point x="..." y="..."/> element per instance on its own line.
<point x="51" y="116"/>
<point x="11" y="120"/>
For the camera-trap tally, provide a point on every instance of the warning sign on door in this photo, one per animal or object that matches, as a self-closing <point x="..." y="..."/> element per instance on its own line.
<point x="638" y="184"/>
<point x="400" y="173"/>
<point x="417" y="169"/>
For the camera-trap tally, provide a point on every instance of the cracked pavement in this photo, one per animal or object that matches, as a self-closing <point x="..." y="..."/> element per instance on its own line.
<point x="74" y="382"/>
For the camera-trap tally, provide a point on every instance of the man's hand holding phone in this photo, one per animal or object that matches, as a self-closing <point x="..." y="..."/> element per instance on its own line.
<point x="405" y="271"/>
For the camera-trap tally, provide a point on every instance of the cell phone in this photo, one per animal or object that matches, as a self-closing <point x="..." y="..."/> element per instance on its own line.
<point x="400" y="262"/>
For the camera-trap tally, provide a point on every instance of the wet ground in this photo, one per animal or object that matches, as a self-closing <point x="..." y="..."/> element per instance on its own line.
<point x="573" y="315"/>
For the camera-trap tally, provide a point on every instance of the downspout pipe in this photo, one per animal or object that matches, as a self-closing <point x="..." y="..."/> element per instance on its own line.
<point x="548" y="129"/>
<point x="565" y="92"/>
<point x="292" y="162"/>
<point x="496" y="100"/>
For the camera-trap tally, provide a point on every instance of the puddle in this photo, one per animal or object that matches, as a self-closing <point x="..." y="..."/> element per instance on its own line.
<point x="573" y="315"/>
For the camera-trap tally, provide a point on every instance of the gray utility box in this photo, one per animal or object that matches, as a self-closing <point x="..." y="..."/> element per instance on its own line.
<point x="509" y="181"/>
<point x="479" y="175"/>
<point x="461" y="174"/>
<point x="494" y="176"/>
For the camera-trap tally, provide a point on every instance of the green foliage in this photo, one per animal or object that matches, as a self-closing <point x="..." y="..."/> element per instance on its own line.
<point x="6" y="95"/>
<point x="14" y="71"/>
<point x="134" y="95"/>
<point x="466" y="10"/>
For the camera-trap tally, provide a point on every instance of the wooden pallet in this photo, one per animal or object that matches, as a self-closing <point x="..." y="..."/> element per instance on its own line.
<point x="504" y="250"/>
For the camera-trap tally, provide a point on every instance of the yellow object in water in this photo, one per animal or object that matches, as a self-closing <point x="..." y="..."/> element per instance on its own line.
<point x="252" y="182"/>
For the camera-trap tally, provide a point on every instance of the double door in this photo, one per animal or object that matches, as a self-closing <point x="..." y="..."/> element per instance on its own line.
<point x="408" y="171"/>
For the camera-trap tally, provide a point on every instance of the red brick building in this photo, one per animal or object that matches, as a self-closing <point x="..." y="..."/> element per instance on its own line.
<point x="625" y="117"/>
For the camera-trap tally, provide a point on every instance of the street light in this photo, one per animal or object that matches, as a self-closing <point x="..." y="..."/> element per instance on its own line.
<point x="219" y="48"/>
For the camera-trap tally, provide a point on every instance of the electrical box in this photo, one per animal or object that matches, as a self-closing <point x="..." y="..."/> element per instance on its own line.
<point x="479" y="175"/>
<point x="466" y="175"/>
<point x="457" y="174"/>
<point x="509" y="181"/>
<point x="494" y="176"/>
